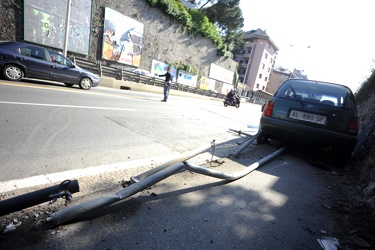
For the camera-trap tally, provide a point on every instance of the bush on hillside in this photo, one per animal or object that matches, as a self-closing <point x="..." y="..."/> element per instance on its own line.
<point x="367" y="88"/>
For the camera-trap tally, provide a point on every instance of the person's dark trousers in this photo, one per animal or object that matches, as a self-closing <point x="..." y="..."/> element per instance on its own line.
<point x="167" y="87"/>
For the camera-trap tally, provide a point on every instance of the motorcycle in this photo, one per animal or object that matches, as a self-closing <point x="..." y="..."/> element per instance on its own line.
<point x="234" y="102"/>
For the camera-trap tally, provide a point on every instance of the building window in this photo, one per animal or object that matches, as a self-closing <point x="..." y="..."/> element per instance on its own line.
<point x="257" y="86"/>
<point x="263" y="65"/>
<point x="265" y="78"/>
<point x="263" y="88"/>
<point x="241" y="61"/>
<point x="247" y="61"/>
<point x="260" y="76"/>
<point x="266" y="55"/>
<point x="269" y="69"/>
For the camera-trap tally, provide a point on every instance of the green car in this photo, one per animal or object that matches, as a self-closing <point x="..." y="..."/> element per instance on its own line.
<point x="313" y="113"/>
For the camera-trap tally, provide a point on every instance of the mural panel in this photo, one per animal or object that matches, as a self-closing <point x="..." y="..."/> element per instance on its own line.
<point x="122" y="38"/>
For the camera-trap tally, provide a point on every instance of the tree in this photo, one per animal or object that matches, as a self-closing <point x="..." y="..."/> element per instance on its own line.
<point x="227" y="16"/>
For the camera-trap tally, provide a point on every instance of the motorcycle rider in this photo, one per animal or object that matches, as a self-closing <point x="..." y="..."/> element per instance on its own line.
<point x="232" y="96"/>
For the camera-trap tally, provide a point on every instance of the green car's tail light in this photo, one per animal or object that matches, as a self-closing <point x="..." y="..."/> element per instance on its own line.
<point x="268" y="109"/>
<point x="353" y="126"/>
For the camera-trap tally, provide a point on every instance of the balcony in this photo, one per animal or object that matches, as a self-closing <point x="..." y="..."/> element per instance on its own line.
<point x="248" y="45"/>
<point x="242" y="65"/>
<point x="246" y="55"/>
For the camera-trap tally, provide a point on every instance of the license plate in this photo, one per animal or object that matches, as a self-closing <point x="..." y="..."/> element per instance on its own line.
<point x="308" y="117"/>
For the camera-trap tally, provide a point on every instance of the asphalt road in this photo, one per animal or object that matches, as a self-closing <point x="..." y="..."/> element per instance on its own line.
<point x="47" y="129"/>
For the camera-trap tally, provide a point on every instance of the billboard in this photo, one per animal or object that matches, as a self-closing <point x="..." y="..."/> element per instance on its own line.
<point x="187" y="79"/>
<point x="122" y="38"/>
<point x="207" y="83"/>
<point x="226" y="88"/>
<point x="221" y="74"/>
<point x="44" y="23"/>
<point x="160" y="68"/>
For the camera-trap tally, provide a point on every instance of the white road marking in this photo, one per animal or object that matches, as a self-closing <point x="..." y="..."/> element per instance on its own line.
<point x="56" y="178"/>
<point x="64" y="106"/>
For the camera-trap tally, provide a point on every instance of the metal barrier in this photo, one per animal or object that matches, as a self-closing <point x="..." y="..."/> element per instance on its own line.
<point x="120" y="74"/>
<point x="261" y="97"/>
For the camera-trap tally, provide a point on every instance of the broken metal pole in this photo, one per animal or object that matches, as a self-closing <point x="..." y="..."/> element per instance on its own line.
<point x="245" y="145"/>
<point x="71" y="213"/>
<point x="37" y="197"/>
<point x="183" y="157"/>
<point x="235" y="176"/>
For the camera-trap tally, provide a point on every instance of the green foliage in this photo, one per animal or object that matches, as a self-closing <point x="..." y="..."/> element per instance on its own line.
<point x="227" y="16"/>
<point x="194" y="22"/>
<point x="187" y="68"/>
<point x="366" y="89"/>
<point x="152" y="2"/>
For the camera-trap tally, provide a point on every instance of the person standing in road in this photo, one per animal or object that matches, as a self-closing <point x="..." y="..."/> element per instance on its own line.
<point x="168" y="81"/>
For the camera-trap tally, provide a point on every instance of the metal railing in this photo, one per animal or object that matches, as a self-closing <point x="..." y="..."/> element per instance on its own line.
<point x="120" y="74"/>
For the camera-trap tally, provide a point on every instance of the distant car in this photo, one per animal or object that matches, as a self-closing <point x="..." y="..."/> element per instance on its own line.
<point x="142" y="72"/>
<point x="319" y="114"/>
<point x="19" y="60"/>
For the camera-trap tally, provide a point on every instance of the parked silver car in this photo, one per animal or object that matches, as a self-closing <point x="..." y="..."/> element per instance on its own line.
<point x="19" y="60"/>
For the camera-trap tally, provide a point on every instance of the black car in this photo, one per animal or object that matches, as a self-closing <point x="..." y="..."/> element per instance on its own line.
<point x="19" y="60"/>
<point x="319" y="114"/>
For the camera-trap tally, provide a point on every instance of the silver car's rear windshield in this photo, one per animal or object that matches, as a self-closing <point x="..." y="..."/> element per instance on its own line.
<point x="317" y="92"/>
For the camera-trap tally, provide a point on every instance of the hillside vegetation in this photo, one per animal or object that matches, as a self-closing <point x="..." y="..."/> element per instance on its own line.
<point x="361" y="167"/>
<point x="363" y="160"/>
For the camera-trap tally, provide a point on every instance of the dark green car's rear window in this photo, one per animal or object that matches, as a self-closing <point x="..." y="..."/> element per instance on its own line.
<point x="317" y="92"/>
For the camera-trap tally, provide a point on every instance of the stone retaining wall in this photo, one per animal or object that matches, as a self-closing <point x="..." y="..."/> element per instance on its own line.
<point x="164" y="40"/>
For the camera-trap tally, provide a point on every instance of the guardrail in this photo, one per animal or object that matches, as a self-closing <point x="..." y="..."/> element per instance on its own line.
<point x="120" y="74"/>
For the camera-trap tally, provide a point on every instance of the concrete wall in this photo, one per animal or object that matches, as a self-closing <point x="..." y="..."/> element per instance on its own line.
<point x="109" y="82"/>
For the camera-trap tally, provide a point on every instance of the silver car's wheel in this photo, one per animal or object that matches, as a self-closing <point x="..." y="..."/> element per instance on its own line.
<point x="85" y="83"/>
<point x="12" y="72"/>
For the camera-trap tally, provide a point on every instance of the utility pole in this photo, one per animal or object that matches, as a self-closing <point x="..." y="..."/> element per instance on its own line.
<point x="67" y="21"/>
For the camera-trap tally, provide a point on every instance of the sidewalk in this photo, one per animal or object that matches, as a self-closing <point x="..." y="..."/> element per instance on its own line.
<point x="191" y="211"/>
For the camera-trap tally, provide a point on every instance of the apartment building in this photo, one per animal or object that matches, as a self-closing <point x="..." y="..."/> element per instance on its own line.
<point x="256" y="61"/>
<point x="279" y="75"/>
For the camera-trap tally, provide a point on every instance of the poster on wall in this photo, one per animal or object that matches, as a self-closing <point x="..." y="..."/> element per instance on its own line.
<point x="44" y="23"/>
<point x="207" y="83"/>
<point x="122" y="38"/>
<point x="186" y="79"/>
<point x="221" y="74"/>
<point x="160" y="68"/>
<point x="226" y="88"/>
